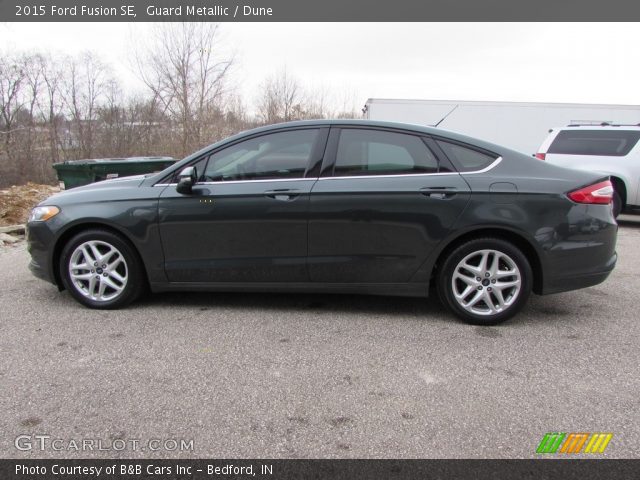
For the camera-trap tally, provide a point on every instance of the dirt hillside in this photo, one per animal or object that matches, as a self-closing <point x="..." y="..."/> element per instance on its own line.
<point x="16" y="202"/>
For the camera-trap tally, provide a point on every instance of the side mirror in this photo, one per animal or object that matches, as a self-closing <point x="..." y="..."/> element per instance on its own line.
<point x="186" y="180"/>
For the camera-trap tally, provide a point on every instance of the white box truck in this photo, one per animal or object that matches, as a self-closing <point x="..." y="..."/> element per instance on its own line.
<point x="521" y="126"/>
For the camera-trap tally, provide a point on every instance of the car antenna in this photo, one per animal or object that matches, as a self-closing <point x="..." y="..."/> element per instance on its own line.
<point x="445" y="117"/>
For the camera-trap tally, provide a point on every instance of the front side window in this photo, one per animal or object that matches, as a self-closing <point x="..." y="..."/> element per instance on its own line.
<point x="275" y="155"/>
<point x="376" y="152"/>
<point x="591" y="142"/>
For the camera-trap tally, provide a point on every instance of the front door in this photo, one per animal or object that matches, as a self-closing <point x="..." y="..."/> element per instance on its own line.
<point x="246" y="220"/>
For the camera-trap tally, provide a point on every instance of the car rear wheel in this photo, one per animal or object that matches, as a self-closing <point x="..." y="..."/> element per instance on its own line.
<point x="485" y="281"/>
<point x="101" y="270"/>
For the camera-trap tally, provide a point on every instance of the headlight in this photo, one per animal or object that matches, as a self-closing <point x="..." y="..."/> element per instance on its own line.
<point x="41" y="214"/>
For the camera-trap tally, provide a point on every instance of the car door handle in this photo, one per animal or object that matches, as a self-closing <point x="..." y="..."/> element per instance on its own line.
<point x="284" y="194"/>
<point x="440" y="193"/>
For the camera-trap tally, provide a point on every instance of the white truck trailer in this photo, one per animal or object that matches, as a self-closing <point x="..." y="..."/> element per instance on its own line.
<point x="521" y="126"/>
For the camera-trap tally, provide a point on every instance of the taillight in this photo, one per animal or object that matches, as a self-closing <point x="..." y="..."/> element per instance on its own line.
<point x="601" y="192"/>
<point x="540" y="156"/>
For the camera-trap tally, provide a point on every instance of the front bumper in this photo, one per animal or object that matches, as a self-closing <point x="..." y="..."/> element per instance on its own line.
<point x="40" y="242"/>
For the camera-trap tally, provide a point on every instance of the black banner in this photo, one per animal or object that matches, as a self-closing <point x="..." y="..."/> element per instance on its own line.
<point x="541" y="469"/>
<point x="316" y="11"/>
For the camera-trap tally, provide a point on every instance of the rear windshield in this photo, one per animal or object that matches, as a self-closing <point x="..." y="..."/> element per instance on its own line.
<point x="590" y="142"/>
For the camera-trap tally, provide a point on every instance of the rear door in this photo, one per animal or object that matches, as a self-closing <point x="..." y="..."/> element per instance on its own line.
<point x="382" y="203"/>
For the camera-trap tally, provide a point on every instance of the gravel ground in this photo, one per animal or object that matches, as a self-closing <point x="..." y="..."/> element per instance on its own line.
<point x="281" y="376"/>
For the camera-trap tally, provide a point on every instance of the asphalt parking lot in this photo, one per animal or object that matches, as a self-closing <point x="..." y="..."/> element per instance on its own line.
<point x="296" y="376"/>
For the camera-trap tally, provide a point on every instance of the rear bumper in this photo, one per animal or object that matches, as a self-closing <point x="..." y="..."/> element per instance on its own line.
<point x="582" y="250"/>
<point x="567" y="283"/>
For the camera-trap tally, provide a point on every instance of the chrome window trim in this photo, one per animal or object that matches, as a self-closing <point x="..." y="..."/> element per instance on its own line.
<point x="486" y="169"/>
<point x="261" y="180"/>
<point x="231" y="182"/>
<point x="390" y="176"/>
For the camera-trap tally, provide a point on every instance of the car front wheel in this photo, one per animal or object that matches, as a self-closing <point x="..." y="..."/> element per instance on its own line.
<point x="101" y="270"/>
<point x="485" y="281"/>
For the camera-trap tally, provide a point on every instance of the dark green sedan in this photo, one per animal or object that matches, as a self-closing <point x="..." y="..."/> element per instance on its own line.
<point x="340" y="207"/>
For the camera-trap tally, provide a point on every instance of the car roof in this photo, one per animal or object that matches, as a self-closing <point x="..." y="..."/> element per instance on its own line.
<point x="370" y="123"/>
<point x="352" y="122"/>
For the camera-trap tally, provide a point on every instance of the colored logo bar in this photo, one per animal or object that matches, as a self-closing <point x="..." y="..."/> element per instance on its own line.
<point x="574" y="442"/>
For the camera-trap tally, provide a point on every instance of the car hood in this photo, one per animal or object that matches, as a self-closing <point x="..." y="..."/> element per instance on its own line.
<point x="113" y="189"/>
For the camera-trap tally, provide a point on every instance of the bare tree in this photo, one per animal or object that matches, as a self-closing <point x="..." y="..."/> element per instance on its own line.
<point x="84" y="89"/>
<point x="328" y="102"/>
<point x="151" y="133"/>
<point x="346" y="105"/>
<point x="115" y="126"/>
<point x="282" y="99"/>
<point x="12" y="79"/>
<point x="186" y="71"/>
<point x="25" y="148"/>
<point x="236" y="117"/>
<point x="50" y="104"/>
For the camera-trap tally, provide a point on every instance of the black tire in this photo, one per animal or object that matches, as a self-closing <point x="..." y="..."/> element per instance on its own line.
<point x="508" y="256"/>
<point x="616" y="204"/>
<point x="131" y="266"/>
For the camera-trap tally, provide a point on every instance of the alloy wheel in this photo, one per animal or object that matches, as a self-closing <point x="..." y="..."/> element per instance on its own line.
<point x="486" y="282"/>
<point x="98" y="270"/>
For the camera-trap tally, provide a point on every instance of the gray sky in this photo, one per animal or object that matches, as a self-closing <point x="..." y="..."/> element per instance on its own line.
<point x="547" y="62"/>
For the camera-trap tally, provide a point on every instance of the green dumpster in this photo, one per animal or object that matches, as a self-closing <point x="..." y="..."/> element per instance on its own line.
<point x="75" y="173"/>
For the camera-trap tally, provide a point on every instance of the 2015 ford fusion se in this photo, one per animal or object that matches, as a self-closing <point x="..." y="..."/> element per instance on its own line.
<point x="335" y="206"/>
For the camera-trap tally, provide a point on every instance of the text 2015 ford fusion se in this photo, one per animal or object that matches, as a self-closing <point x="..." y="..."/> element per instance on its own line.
<point x="335" y="206"/>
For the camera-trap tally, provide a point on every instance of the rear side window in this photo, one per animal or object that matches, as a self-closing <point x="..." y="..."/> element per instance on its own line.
<point x="614" y="143"/>
<point x="466" y="159"/>
<point x="375" y="152"/>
